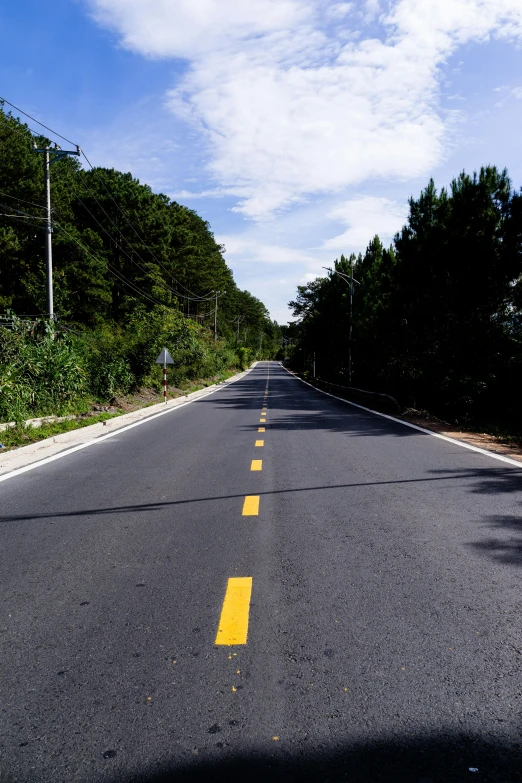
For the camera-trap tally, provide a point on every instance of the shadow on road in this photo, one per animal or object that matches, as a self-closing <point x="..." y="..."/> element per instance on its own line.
<point x="295" y="407"/>
<point x="488" y="480"/>
<point x="504" y="551"/>
<point x="430" y="759"/>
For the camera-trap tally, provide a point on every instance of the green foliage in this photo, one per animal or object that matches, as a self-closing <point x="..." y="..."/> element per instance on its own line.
<point x="133" y="271"/>
<point x="437" y="317"/>
<point x="43" y="376"/>
<point x="244" y="356"/>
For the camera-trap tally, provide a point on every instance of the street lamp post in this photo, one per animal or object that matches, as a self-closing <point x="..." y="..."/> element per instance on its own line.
<point x="350" y="280"/>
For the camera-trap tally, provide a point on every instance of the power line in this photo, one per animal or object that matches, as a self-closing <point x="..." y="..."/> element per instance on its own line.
<point x="112" y="269"/>
<point x="27" y="217"/>
<point x="4" y="100"/>
<point x="136" y="232"/>
<point x="20" y="212"/>
<point x="74" y="192"/>
<point x="22" y="200"/>
<point x="196" y="297"/>
<point x="129" y="244"/>
<point x="16" y="132"/>
<point x="206" y="297"/>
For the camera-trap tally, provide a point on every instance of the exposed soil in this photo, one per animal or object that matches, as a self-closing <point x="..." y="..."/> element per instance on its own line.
<point x="148" y="396"/>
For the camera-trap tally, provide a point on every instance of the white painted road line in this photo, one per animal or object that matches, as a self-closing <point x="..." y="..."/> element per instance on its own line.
<point x="61" y="454"/>
<point x="414" y="426"/>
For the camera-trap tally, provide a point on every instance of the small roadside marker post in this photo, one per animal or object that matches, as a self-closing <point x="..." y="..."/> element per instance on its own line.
<point x="165" y="358"/>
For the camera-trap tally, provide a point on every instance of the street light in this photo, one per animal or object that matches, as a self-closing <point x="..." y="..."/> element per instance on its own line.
<point x="350" y="280"/>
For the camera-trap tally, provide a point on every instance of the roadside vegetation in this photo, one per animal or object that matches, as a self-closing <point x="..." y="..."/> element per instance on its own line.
<point x="437" y="317"/>
<point x="133" y="271"/>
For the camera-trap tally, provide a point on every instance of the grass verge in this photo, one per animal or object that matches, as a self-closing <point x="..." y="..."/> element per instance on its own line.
<point x="14" y="437"/>
<point x="22" y="436"/>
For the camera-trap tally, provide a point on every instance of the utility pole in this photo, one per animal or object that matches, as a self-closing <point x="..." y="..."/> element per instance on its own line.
<point x="215" y="319"/>
<point x="217" y="295"/>
<point x="56" y="153"/>
<point x="239" y="319"/>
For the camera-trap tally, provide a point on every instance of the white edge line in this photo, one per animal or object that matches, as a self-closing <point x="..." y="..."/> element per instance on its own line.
<point x="33" y="465"/>
<point x="413" y="426"/>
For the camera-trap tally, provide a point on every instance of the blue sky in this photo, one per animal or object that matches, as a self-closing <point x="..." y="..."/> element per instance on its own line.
<point x="297" y="128"/>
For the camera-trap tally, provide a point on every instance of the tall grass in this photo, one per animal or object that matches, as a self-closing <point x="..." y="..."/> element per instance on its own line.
<point x="40" y="375"/>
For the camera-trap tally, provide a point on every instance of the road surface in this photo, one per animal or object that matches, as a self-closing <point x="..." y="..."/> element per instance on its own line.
<point x="363" y="625"/>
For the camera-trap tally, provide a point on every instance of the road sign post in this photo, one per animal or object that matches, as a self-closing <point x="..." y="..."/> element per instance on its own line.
<point x="165" y="358"/>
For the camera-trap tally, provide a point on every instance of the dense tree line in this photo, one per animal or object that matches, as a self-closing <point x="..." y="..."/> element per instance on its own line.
<point x="437" y="317"/>
<point x="132" y="270"/>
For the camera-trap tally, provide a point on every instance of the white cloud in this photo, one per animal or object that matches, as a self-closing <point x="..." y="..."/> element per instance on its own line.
<point x="289" y="106"/>
<point x="365" y="217"/>
<point x="243" y="250"/>
<point x="190" y="28"/>
<point x="339" y="10"/>
<point x="181" y="195"/>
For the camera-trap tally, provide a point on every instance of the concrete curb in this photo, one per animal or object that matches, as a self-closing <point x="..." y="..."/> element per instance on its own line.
<point x="50" y="447"/>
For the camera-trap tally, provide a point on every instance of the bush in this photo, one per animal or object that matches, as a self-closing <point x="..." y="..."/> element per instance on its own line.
<point x="244" y="356"/>
<point x="46" y="376"/>
<point x="40" y="375"/>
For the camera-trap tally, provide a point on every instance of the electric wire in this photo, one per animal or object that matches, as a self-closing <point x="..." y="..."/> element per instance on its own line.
<point x="96" y="171"/>
<point x="206" y="297"/>
<point x="20" y="214"/>
<point x="17" y="132"/>
<point x="4" y="100"/>
<point x="27" y="217"/>
<point x="74" y="192"/>
<point x="112" y="269"/>
<point x="196" y="296"/>
<point x="22" y="200"/>
<point x="172" y="290"/>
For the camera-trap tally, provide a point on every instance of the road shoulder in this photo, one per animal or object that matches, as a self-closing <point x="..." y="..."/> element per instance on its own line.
<point x="50" y="447"/>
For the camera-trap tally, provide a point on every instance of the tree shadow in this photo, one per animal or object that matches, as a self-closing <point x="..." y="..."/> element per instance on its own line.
<point x="308" y="409"/>
<point x="444" y="758"/>
<point x="507" y="551"/>
<point x="491" y="480"/>
<point x="486" y="481"/>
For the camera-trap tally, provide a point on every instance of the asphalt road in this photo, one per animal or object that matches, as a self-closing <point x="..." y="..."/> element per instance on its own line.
<point x="384" y="635"/>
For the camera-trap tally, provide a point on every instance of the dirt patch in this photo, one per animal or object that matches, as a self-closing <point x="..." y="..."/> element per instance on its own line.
<point x="481" y="440"/>
<point x="148" y="396"/>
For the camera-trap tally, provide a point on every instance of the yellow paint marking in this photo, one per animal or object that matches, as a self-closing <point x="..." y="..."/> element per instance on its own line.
<point x="257" y="464"/>
<point x="233" y="623"/>
<point x="251" y="506"/>
<point x="263" y="413"/>
<point x="260" y="429"/>
<point x="262" y="421"/>
<point x="260" y="442"/>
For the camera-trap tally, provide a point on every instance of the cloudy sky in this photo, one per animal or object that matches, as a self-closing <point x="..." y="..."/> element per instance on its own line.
<point x="297" y="128"/>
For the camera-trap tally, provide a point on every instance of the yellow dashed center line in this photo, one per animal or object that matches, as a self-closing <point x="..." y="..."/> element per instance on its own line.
<point x="260" y="429"/>
<point x="251" y="506"/>
<point x="257" y="464"/>
<point x="233" y="623"/>
<point x="260" y="442"/>
<point x="262" y="421"/>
